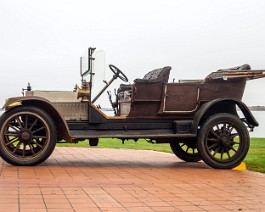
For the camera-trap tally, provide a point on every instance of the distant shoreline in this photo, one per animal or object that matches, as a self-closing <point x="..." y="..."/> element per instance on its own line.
<point x="257" y="108"/>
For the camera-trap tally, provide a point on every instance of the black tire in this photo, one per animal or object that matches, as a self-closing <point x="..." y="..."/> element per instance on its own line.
<point x="223" y="141"/>
<point x="27" y="136"/>
<point x="186" y="149"/>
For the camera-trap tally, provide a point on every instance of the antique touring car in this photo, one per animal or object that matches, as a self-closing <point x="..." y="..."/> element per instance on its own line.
<point x="198" y="118"/>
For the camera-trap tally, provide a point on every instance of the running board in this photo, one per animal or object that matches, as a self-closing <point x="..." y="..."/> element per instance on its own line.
<point x="86" y="134"/>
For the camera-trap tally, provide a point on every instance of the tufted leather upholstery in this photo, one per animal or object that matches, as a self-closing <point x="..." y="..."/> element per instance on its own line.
<point x="243" y="67"/>
<point x="157" y="75"/>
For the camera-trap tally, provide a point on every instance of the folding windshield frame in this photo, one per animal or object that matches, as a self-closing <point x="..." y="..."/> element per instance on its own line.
<point x="90" y="60"/>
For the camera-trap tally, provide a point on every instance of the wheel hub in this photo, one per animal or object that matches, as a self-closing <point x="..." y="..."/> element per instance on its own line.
<point x="25" y="136"/>
<point x="225" y="141"/>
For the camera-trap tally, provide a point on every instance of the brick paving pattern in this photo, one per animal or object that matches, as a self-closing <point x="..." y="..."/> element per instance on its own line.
<point x="91" y="179"/>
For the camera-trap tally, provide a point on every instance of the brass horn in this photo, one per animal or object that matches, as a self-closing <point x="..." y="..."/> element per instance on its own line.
<point x="83" y="92"/>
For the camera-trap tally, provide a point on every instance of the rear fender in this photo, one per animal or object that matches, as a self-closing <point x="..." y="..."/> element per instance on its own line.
<point x="44" y="104"/>
<point x="224" y="105"/>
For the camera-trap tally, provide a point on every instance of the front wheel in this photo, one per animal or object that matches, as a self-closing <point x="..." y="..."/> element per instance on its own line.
<point x="223" y="141"/>
<point x="27" y="136"/>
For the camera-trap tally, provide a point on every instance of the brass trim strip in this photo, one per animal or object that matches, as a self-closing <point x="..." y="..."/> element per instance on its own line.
<point x="14" y="104"/>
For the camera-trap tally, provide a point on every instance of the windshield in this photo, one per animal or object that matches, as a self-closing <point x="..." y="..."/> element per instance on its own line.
<point x="97" y="66"/>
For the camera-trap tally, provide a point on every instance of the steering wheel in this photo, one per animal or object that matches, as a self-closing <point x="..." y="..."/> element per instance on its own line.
<point x="118" y="73"/>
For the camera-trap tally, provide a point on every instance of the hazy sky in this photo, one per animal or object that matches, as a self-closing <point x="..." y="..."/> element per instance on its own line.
<point x="41" y="41"/>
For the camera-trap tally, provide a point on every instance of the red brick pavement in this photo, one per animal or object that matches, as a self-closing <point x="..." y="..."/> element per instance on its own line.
<point x="84" y="179"/>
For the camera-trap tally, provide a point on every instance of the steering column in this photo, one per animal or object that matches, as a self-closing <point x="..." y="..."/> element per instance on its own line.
<point x="117" y="74"/>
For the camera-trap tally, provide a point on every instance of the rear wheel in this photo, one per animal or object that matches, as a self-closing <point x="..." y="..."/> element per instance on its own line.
<point x="186" y="149"/>
<point x="28" y="136"/>
<point x="223" y="141"/>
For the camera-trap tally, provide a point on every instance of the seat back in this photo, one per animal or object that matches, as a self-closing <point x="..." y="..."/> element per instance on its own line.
<point x="243" y="67"/>
<point x="156" y="75"/>
<point x="147" y="93"/>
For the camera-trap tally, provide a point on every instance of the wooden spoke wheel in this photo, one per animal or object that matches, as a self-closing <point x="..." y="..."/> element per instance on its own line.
<point x="28" y="136"/>
<point x="223" y="141"/>
<point x="186" y="149"/>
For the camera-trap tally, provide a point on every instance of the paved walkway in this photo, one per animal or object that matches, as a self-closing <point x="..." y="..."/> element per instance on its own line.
<point x="79" y="179"/>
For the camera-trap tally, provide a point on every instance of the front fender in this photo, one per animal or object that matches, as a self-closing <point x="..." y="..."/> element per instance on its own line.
<point x="223" y="105"/>
<point x="45" y="105"/>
